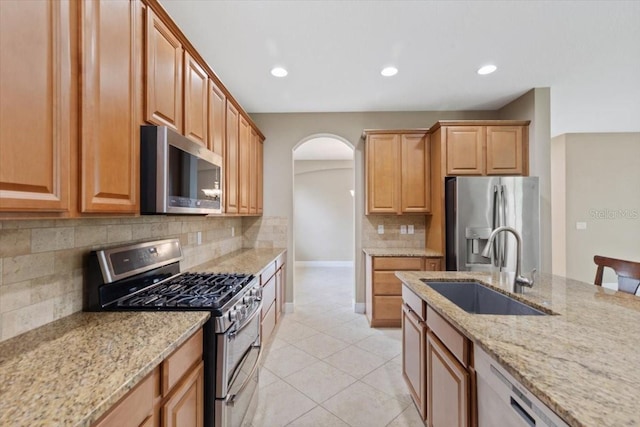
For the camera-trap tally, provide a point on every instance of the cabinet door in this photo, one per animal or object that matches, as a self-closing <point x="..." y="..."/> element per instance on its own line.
<point x="447" y="387"/>
<point x="433" y="264"/>
<point x="231" y="160"/>
<point x="278" y="294"/>
<point x="505" y="150"/>
<point x="383" y="174"/>
<point x="253" y="173"/>
<point x="196" y="100"/>
<point x="414" y="363"/>
<point x="260" y="179"/>
<point x="36" y="112"/>
<point x="163" y="75"/>
<point x="217" y="126"/>
<point x="185" y="407"/>
<point x="110" y="104"/>
<point x="244" y="165"/>
<point x="465" y="150"/>
<point x="416" y="174"/>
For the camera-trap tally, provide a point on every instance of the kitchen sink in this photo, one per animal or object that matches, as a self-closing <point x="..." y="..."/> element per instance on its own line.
<point x="475" y="298"/>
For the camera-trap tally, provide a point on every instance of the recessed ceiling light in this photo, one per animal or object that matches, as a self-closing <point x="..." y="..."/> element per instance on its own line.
<point x="389" y="71"/>
<point x="487" y="69"/>
<point x="279" y="72"/>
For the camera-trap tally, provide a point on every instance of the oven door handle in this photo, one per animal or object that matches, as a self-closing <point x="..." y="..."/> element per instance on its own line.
<point x="247" y="381"/>
<point x="235" y="331"/>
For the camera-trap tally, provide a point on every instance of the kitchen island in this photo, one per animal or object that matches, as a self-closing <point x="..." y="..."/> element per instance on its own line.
<point x="582" y="361"/>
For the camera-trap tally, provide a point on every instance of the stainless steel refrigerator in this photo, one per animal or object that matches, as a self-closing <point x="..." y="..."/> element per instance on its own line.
<point x="477" y="205"/>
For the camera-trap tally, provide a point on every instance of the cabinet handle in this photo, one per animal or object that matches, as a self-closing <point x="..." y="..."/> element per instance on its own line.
<point x="413" y="314"/>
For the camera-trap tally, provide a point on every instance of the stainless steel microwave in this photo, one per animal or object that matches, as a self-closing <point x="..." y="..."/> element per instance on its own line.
<point x="177" y="175"/>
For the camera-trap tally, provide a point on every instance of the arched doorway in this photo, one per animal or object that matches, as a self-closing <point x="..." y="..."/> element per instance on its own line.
<point x="323" y="208"/>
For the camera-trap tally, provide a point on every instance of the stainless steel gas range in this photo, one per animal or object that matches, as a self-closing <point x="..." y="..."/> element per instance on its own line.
<point x="146" y="276"/>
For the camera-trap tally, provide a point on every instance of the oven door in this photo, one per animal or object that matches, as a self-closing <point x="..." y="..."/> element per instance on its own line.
<point x="240" y="403"/>
<point x="232" y="348"/>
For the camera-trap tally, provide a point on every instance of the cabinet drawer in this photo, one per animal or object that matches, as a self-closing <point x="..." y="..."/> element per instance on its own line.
<point x="397" y="263"/>
<point x="414" y="302"/>
<point x="268" y="294"/>
<point x="387" y="307"/>
<point x="457" y="343"/>
<point x="386" y="283"/>
<point x="433" y="264"/>
<point x="136" y="408"/>
<point x="181" y="361"/>
<point x="267" y="273"/>
<point x="268" y="323"/>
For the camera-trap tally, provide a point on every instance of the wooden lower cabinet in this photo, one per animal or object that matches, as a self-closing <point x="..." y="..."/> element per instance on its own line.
<point x="185" y="406"/>
<point x="171" y="396"/>
<point x="272" y="280"/>
<point x="447" y="387"/>
<point x="414" y="360"/>
<point x="383" y="290"/>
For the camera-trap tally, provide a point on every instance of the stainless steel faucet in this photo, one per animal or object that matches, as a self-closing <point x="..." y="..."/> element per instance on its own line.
<point x="519" y="281"/>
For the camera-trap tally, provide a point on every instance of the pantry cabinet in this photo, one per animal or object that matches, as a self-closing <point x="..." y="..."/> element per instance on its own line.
<point x="397" y="169"/>
<point x="110" y="102"/>
<point x="37" y="106"/>
<point x="164" y="68"/>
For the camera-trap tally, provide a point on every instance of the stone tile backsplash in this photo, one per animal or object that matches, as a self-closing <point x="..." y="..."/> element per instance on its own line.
<point x="392" y="237"/>
<point x="41" y="262"/>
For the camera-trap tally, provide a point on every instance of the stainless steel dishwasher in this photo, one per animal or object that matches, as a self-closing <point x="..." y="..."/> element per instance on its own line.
<point x="502" y="401"/>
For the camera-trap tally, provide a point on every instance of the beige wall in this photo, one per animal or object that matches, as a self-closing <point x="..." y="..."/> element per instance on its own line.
<point x="323" y="214"/>
<point x="535" y="106"/>
<point x="598" y="184"/>
<point x="283" y="131"/>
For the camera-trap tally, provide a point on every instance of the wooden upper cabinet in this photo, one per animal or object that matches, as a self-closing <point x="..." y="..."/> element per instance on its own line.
<point x="253" y="173"/>
<point x="383" y="173"/>
<point x="217" y="125"/>
<point x="398" y="170"/>
<point x="465" y="150"/>
<point x="505" y="154"/>
<point x="196" y="101"/>
<point x="163" y="74"/>
<point x="232" y="153"/>
<point x="244" y="164"/>
<point x="260" y="174"/>
<point x="110" y="100"/>
<point x="36" y="106"/>
<point x="416" y="175"/>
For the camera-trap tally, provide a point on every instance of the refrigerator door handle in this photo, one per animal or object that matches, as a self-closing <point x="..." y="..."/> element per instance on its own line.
<point x="496" y="223"/>
<point x="503" y="222"/>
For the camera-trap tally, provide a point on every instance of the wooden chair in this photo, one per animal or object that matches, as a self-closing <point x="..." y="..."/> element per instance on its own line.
<point x="628" y="273"/>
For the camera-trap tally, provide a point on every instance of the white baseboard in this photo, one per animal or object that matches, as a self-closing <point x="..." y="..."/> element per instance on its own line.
<point x="358" y="307"/>
<point x="324" y="263"/>
<point x="288" y="307"/>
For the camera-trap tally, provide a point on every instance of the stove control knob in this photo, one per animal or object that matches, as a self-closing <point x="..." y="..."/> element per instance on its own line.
<point x="248" y="300"/>
<point x="233" y="315"/>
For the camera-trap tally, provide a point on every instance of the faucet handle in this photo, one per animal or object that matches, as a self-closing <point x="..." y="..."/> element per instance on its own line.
<point x="533" y="277"/>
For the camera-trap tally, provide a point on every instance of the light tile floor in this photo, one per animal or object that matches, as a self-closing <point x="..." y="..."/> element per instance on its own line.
<point x="326" y="367"/>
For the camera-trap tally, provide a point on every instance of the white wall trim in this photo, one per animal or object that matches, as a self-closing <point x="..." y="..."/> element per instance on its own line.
<point x="288" y="307"/>
<point x="324" y="263"/>
<point x="358" y="307"/>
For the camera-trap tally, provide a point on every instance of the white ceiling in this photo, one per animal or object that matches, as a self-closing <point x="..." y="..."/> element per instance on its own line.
<point x="587" y="52"/>
<point x="323" y="148"/>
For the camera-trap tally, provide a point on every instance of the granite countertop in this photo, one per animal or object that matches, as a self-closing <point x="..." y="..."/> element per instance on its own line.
<point x="247" y="261"/>
<point x="407" y="252"/>
<point x="582" y="361"/>
<point x="71" y="371"/>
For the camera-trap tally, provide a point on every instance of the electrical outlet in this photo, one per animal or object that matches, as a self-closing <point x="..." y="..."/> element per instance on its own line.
<point x="233" y="231"/>
<point x="199" y="237"/>
<point x="403" y="229"/>
<point x="410" y="229"/>
<point x="381" y="229"/>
